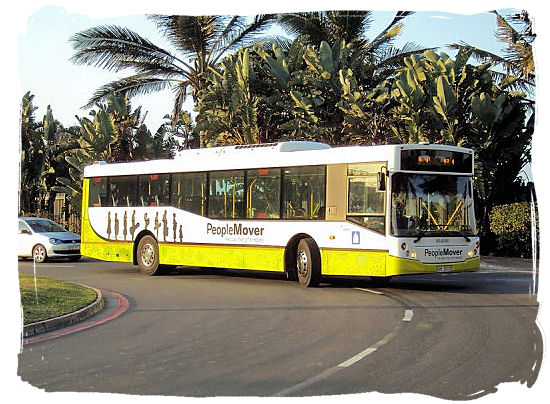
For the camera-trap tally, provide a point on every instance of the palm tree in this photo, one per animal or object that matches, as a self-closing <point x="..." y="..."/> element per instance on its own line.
<point x="516" y="32"/>
<point x="199" y="41"/>
<point x="352" y="27"/>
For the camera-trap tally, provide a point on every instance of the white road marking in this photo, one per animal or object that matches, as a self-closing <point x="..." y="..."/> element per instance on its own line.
<point x="408" y="315"/>
<point x="356" y="358"/>
<point x="349" y="362"/>
<point x="370" y="291"/>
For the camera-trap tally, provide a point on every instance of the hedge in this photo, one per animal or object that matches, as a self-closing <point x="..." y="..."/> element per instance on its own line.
<point x="511" y="225"/>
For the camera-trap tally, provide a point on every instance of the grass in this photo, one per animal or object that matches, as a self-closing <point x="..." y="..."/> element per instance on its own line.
<point x="52" y="298"/>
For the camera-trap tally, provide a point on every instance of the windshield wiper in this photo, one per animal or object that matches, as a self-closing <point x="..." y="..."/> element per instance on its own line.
<point x="463" y="235"/>
<point x="421" y="233"/>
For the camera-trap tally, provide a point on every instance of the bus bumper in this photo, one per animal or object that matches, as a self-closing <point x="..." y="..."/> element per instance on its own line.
<point x="403" y="266"/>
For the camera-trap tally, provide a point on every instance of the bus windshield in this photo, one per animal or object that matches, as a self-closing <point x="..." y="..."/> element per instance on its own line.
<point x="426" y="205"/>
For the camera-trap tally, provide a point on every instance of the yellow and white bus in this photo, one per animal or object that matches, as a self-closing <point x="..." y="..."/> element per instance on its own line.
<point x="300" y="208"/>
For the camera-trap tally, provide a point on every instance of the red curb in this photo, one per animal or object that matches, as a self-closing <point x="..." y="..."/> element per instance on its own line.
<point x="123" y="305"/>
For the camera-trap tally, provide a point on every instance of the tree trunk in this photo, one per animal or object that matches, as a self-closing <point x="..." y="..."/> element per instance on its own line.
<point x="202" y="139"/>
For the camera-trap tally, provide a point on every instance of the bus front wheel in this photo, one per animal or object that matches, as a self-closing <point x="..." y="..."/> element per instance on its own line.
<point x="308" y="263"/>
<point x="148" y="256"/>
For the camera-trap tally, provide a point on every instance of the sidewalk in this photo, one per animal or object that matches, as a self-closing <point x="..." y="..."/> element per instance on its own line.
<point x="506" y="263"/>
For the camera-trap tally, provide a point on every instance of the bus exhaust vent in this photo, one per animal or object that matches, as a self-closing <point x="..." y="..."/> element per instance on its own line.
<point x="287" y="146"/>
<point x="253" y="146"/>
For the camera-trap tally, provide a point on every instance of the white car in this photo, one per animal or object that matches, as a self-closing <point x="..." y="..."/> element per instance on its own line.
<point x="41" y="239"/>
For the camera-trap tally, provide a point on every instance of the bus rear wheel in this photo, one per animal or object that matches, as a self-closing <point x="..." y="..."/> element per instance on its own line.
<point x="308" y="263"/>
<point x="148" y="256"/>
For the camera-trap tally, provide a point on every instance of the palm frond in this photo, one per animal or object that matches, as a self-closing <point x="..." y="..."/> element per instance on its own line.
<point x="107" y="46"/>
<point x="189" y="34"/>
<point x="393" y="57"/>
<point x="181" y="95"/>
<point x="131" y="86"/>
<point x="349" y="25"/>
<point x="388" y="34"/>
<point x="240" y="34"/>
<point x="267" y="42"/>
<point x="154" y="67"/>
<point x="299" y="24"/>
<point x="479" y="54"/>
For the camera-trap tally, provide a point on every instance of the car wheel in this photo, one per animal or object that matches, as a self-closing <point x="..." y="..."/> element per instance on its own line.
<point x="308" y="263"/>
<point x="39" y="253"/>
<point x="148" y="256"/>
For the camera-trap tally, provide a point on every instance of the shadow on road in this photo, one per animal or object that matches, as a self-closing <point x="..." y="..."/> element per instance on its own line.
<point x="465" y="283"/>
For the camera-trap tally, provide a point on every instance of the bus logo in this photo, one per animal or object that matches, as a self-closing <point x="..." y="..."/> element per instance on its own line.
<point x="234" y="230"/>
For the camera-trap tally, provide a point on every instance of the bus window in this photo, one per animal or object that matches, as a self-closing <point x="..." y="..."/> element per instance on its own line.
<point x="226" y="195"/>
<point x="154" y="190"/>
<point x="304" y="192"/>
<point x="123" y="191"/>
<point x="365" y="203"/>
<point x="263" y="193"/>
<point x="189" y="192"/>
<point x="98" y="192"/>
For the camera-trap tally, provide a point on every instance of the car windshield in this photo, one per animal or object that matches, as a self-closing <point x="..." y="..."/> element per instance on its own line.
<point x="44" y="226"/>
<point x="431" y="205"/>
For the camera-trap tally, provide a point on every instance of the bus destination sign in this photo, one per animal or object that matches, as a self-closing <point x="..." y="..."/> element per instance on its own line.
<point x="436" y="160"/>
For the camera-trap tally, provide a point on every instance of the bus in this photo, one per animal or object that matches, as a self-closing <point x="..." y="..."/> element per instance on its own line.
<point x="304" y="209"/>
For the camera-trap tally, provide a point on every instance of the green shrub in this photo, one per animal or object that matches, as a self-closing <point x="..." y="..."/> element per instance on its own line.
<point x="511" y="225"/>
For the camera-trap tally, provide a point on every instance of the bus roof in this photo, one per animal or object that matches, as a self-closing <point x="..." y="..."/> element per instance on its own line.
<point x="282" y="154"/>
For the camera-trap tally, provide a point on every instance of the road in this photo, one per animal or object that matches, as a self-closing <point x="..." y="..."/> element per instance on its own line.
<point x="210" y="333"/>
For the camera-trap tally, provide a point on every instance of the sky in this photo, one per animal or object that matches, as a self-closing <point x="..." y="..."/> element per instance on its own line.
<point x="36" y="51"/>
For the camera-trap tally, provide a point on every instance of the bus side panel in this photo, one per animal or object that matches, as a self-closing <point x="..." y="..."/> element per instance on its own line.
<point x="353" y="262"/>
<point x="93" y="246"/>
<point x="223" y="256"/>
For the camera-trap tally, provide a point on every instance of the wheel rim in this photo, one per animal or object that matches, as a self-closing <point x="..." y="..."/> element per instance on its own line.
<point x="39" y="253"/>
<point x="302" y="263"/>
<point x="147" y="255"/>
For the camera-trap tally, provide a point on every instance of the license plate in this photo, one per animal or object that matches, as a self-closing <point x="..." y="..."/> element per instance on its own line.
<point x="444" y="268"/>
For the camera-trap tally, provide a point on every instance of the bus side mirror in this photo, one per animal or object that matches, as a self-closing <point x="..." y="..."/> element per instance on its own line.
<point x="381" y="183"/>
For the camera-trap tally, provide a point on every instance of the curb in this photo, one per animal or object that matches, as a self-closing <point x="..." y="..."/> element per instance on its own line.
<point x="56" y="323"/>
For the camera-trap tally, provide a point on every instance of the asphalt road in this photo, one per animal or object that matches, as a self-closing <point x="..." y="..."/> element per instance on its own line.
<point x="222" y="333"/>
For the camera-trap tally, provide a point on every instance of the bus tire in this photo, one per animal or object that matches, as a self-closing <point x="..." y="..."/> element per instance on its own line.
<point x="148" y="256"/>
<point x="308" y="263"/>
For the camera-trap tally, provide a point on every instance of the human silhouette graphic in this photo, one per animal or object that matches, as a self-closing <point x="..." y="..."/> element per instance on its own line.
<point x="164" y="226"/>
<point x="116" y="226"/>
<point x="174" y="225"/>
<point x="108" y="225"/>
<point x="125" y="225"/>
<point x="134" y="225"/>
<point x="146" y="220"/>
<point x="157" y="224"/>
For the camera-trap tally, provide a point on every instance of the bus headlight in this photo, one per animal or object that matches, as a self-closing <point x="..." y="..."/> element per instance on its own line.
<point x="413" y="255"/>
<point x="470" y="253"/>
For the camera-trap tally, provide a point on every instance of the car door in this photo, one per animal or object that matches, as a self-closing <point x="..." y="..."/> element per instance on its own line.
<point x="24" y="240"/>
